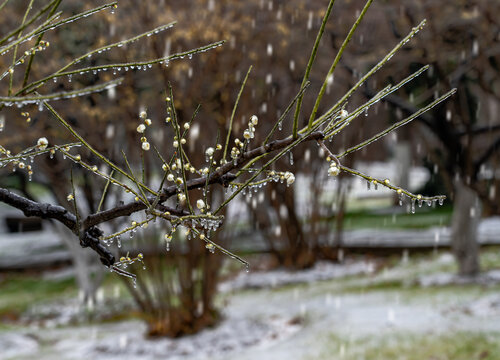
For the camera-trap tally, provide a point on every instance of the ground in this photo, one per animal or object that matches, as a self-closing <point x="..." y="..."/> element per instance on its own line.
<point x="357" y="310"/>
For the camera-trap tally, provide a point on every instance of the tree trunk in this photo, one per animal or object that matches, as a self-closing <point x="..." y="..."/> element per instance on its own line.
<point x="89" y="272"/>
<point x="465" y="222"/>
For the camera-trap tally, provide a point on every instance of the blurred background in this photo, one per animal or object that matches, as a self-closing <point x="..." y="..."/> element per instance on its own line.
<point x="339" y="268"/>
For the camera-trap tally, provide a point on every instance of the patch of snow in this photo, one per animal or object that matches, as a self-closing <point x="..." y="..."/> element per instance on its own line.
<point x="13" y="344"/>
<point x="485" y="306"/>
<point x="231" y="335"/>
<point x="442" y="279"/>
<point x="321" y="271"/>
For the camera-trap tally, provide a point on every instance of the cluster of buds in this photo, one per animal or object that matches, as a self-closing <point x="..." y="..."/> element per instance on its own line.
<point x="168" y="237"/>
<point x="127" y="260"/>
<point x="142" y="128"/>
<point x="235" y="152"/>
<point x="250" y="132"/>
<point x="334" y="169"/>
<point x="42" y="45"/>
<point x="27" y="116"/>
<point x="175" y="144"/>
<point x="210" y="151"/>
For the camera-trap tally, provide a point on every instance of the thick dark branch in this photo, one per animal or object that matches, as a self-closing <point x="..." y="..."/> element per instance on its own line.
<point x="44" y="211"/>
<point x="90" y="237"/>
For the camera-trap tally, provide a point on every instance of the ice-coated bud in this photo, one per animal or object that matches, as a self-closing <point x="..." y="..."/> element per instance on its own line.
<point x="209" y="151"/>
<point x="343" y="114"/>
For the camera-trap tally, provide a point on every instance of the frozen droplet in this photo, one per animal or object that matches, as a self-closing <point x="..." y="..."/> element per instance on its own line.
<point x="413" y="206"/>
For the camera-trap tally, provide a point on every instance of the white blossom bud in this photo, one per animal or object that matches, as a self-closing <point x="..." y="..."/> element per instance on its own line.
<point x="148" y="122"/>
<point x="42" y="143"/>
<point x="254" y="120"/>
<point x="200" y="204"/>
<point x="141" y="128"/>
<point x="333" y="170"/>
<point x="170" y="177"/>
<point x="143" y="115"/>
<point x="145" y="146"/>
<point x="186" y="126"/>
<point x="290" y="178"/>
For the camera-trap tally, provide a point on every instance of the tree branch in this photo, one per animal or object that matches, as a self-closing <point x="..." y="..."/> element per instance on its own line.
<point x="90" y="237"/>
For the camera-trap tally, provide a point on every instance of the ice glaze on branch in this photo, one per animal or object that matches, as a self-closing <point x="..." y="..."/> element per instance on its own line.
<point x="221" y="176"/>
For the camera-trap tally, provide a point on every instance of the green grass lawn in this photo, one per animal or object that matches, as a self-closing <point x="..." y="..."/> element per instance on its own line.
<point x="422" y="219"/>
<point x="19" y="291"/>
<point x="409" y="346"/>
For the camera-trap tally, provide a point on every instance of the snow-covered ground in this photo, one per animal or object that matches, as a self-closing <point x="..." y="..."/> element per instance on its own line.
<point x="285" y="315"/>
